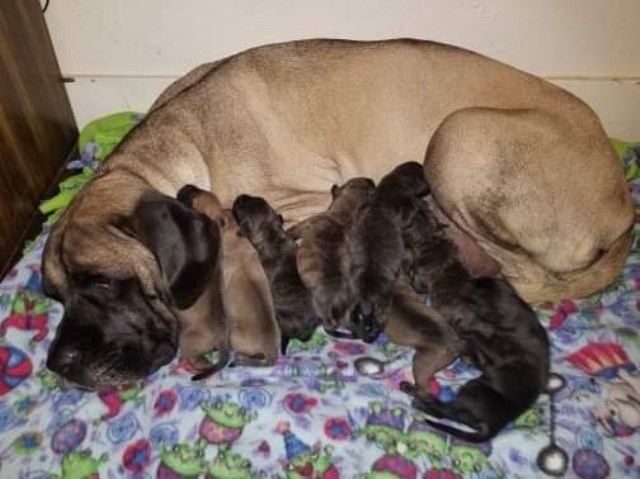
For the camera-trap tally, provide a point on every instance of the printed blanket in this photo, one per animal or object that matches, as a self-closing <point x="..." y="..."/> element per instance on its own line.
<point x="312" y="415"/>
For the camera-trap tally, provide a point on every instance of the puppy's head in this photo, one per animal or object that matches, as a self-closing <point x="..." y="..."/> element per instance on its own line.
<point x="121" y="280"/>
<point x="256" y="218"/>
<point x="400" y="190"/>
<point x="360" y="189"/>
<point x="203" y="201"/>
<point x="408" y="177"/>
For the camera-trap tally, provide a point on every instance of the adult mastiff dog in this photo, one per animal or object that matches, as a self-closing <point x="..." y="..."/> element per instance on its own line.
<point x="523" y="169"/>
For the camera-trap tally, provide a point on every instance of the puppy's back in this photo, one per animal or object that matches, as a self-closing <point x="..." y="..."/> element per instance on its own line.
<point x="325" y="257"/>
<point x="325" y="264"/>
<point x="500" y="324"/>
<point x="379" y="243"/>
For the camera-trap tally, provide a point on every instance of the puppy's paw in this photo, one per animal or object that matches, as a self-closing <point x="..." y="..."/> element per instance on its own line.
<point x="198" y="363"/>
<point x="204" y="368"/>
<point x="256" y="360"/>
<point x="409" y="388"/>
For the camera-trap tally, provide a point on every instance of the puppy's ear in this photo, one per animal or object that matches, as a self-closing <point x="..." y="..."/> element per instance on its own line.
<point x="184" y="242"/>
<point x="281" y="219"/>
<point x="421" y="187"/>
<point x="413" y="173"/>
<point x="186" y="194"/>
<point x="335" y="191"/>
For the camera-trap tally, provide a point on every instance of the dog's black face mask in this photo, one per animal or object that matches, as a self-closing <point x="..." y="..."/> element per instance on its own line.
<point x="111" y="333"/>
<point x="117" y="329"/>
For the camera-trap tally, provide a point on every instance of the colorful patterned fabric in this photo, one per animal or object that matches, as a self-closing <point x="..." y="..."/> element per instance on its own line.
<point x="312" y="415"/>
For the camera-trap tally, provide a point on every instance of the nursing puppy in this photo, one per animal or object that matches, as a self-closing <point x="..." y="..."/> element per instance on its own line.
<point x="325" y="253"/>
<point x="254" y="334"/>
<point x="412" y="323"/>
<point x="379" y="245"/>
<point x="292" y="301"/>
<point x="203" y="326"/>
<point x="500" y="332"/>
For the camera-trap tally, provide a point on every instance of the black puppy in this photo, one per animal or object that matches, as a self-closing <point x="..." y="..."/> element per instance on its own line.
<point x="379" y="247"/>
<point x="501" y="335"/>
<point x="264" y="228"/>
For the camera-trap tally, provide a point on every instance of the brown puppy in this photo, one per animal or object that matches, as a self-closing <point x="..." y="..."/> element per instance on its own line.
<point x="412" y="323"/>
<point x="203" y="328"/>
<point x="254" y="334"/>
<point x="264" y="228"/>
<point x="500" y="332"/>
<point x="325" y="253"/>
<point x="379" y="245"/>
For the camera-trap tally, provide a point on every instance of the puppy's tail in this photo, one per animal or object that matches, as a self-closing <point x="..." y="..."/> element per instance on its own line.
<point x="480" y="432"/>
<point x="223" y="360"/>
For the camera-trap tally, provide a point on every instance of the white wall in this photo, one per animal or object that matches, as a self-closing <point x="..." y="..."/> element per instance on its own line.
<point x="122" y="53"/>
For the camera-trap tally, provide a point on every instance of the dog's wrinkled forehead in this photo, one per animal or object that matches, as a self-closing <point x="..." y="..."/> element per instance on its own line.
<point x="107" y="251"/>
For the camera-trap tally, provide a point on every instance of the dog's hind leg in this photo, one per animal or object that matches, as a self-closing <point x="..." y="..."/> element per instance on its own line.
<point x="549" y="245"/>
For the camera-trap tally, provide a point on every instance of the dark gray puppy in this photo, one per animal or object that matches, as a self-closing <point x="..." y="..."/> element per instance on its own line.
<point x="325" y="253"/>
<point x="501" y="335"/>
<point x="264" y="228"/>
<point x="379" y="247"/>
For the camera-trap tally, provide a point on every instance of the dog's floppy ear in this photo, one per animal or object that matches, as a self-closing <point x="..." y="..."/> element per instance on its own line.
<point x="185" y="243"/>
<point x="54" y="278"/>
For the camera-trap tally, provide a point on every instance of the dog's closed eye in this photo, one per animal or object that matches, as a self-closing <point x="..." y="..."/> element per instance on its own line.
<point x="95" y="281"/>
<point x="107" y="285"/>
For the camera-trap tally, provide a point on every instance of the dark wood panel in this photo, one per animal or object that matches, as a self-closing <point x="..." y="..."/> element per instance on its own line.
<point x="37" y="129"/>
